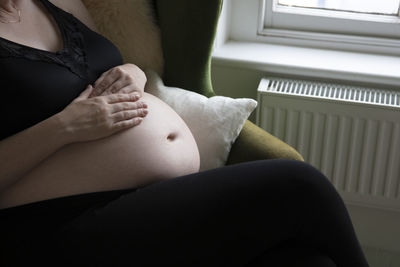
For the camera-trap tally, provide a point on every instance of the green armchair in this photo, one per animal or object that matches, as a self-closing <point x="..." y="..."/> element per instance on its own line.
<point x="188" y="30"/>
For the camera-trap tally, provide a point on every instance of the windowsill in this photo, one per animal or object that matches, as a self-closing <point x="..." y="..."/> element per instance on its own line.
<point x="311" y="62"/>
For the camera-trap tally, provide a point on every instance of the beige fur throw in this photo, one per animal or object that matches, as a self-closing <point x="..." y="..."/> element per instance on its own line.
<point x="130" y="25"/>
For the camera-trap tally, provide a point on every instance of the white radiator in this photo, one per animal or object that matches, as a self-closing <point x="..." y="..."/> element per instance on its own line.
<point x="351" y="134"/>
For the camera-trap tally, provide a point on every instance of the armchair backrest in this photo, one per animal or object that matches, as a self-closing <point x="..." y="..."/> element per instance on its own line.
<point x="188" y="31"/>
<point x="177" y="43"/>
<point x="131" y="26"/>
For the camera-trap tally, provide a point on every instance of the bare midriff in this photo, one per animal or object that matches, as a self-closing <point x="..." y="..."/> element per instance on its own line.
<point x="159" y="148"/>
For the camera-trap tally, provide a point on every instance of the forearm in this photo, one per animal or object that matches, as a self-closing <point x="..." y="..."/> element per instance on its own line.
<point x="23" y="151"/>
<point x="83" y="120"/>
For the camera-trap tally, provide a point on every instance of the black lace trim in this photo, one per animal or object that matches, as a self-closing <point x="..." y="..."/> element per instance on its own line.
<point x="72" y="56"/>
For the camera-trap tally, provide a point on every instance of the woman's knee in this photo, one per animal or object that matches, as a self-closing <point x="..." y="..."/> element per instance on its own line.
<point x="308" y="177"/>
<point x="296" y="172"/>
<point x="294" y="179"/>
<point x="288" y="255"/>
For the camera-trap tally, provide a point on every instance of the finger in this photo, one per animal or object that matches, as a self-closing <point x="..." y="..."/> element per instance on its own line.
<point x="130" y="114"/>
<point x="130" y="88"/>
<point x="98" y="91"/>
<point x="122" y="125"/>
<point x="85" y="94"/>
<point x="115" y="87"/>
<point x="116" y="98"/>
<point x="117" y="107"/>
<point x="96" y="83"/>
<point x="105" y="82"/>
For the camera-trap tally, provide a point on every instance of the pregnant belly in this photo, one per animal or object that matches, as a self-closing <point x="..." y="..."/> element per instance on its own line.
<point x="161" y="147"/>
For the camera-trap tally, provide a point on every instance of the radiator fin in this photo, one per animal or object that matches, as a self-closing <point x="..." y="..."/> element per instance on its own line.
<point x="351" y="134"/>
<point x="334" y="91"/>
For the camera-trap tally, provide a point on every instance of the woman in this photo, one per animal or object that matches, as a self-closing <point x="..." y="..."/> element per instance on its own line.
<point x="95" y="172"/>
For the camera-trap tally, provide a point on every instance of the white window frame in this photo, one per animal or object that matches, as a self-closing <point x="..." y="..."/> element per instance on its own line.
<point x="240" y="43"/>
<point x="272" y="28"/>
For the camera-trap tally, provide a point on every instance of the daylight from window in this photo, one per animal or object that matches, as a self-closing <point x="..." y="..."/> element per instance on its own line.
<point x="386" y="7"/>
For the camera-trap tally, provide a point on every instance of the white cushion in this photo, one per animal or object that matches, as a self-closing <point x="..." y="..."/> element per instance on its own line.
<point x="215" y="122"/>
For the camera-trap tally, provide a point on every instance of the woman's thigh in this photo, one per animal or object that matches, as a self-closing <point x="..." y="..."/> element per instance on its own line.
<point x="222" y="217"/>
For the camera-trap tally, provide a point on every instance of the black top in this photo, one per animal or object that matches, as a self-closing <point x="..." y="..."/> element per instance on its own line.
<point x="36" y="84"/>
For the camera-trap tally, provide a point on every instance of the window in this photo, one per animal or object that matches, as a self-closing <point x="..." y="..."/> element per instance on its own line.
<point x="381" y="7"/>
<point x="363" y="25"/>
<point x="245" y="41"/>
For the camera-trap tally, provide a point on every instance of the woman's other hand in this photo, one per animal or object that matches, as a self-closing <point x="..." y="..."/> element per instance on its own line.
<point x="123" y="79"/>
<point x="87" y="119"/>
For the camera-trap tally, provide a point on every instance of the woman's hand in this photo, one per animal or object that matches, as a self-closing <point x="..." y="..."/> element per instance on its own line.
<point x="87" y="119"/>
<point x="123" y="79"/>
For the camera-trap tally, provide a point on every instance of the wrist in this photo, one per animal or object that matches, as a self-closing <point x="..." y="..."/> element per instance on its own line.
<point x="60" y="129"/>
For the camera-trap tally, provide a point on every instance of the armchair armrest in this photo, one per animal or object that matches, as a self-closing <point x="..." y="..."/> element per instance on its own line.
<point x="254" y="143"/>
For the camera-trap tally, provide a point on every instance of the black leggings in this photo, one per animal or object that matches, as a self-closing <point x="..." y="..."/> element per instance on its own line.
<point x="262" y="213"/>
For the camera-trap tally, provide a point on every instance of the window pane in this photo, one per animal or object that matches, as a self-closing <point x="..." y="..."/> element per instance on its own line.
<point x="387" y="7"/>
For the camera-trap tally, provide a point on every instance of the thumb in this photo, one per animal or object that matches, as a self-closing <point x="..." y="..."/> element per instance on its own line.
<point x="86" y="93"/>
